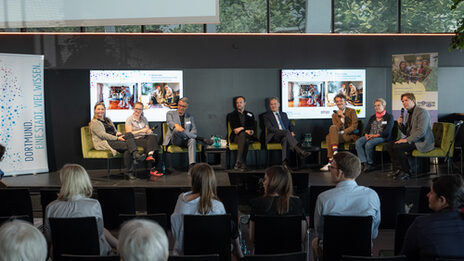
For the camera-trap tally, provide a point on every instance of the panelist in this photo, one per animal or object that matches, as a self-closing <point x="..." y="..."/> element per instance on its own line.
<point x="279" y="129"/>
<point x="243" y="127"/>
<point x="138" y="125"/>
<point x="344" y="126"/>
<point x="418" y="131"/>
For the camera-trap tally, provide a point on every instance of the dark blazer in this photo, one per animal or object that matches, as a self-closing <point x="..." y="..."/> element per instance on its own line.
<point x="387" y="128"/>
<point x="234" y="120"/>
<point x="272" y="126"/>
<point x="420" y="130"/>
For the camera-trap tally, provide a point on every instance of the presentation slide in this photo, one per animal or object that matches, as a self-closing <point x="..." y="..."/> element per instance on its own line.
<point x="159" y="92"/>
<point x="309" y="94"/>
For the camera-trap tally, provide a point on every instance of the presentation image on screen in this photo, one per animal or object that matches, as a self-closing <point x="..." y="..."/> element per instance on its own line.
<point x="309" y="94"/>
<point x="158" y="91"/>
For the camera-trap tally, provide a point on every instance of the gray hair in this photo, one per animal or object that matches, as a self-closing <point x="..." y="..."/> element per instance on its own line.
<point x="20" y="240"/>
<point x="274" y="98"/>
<point x="382" y="101"/>
<point x="184" y="100"/>
<point x="141" y="240"/>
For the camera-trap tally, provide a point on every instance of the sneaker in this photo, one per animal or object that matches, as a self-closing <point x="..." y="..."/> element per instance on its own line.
<point x="154" y="172"/>
<point x="325" y="168"/>
<point x="150" y="158"/>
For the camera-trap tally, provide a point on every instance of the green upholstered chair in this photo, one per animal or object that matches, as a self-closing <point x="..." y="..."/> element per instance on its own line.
<point x="89" y="152"/>
<point x="396" y="135"/>
<point x="174" y="148"/>
<point x="254" y="146"/>
<point x="272" y="145"/>
<point x="347" y="145"/>
<point x="443" y="133"/>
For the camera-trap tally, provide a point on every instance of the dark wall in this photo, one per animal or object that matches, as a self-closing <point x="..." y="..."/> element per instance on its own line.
<point x="216" y="68"/>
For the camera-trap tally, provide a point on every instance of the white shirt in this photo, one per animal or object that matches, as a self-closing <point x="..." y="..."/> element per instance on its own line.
<point x="277" y="119"/>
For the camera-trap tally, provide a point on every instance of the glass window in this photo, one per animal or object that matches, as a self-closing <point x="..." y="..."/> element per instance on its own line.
<point x="432" y="16"/>
<point x="242" y="16"/>
<point x="95" y="29"/>
<point x="54" y="29"/>
<point x="174" y="28"/>
<point x="128" y="28"/>
<point x="365" y="16"/>
<point x="287" y="16"/>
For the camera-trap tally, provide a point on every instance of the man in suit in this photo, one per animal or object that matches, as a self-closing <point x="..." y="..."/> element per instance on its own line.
<point x="279" y="129"/>
<point x="182" y="130"/>
<point x="243" y="127"/>
<point x="343" y="129"/>
<point x="418" y="131"/>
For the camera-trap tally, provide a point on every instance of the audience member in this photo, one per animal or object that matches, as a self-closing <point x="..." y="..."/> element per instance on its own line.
<point x="378" y="130"/>
<point x="343" y="128"/>
<point x="440" y="234"/>
<point x="346" y="199"/>
<point x="280" y="129"/>
<point x="74" y="201"/>
<point x="143" y="240"/>
<point x="2" y="152"/>
<point x="21" y="241"/>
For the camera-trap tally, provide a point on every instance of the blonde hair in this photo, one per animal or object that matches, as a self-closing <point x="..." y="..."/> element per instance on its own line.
<point x="74" y="181"/>
<point x="204" y="183"/>
<point x="280" y="183"/>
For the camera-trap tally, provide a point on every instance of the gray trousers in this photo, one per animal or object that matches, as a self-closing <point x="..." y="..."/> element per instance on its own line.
<point x="182" y="140"/>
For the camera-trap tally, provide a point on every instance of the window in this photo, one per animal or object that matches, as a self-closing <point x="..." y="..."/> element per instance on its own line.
<point x="242" y="16"/>
<point x="287" y="16"/>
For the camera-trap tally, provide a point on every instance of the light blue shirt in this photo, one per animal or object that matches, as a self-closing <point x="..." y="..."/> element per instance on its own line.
<point x="347" y="199"/>
<point x="184" y="207"/>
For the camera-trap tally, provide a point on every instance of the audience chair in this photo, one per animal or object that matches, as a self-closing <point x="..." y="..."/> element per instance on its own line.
<point x="66" y="257"/>
<point x="277" y="234"/>
<point x="76" y="236"/>
<point x="392" y="203"/>
<point x="212" y="257"/>
<point x="373" y="258"/>
<point x="46" y="197"/>
<point x="449" y="259"/>
<point x="346" y="235"/>
<point x="89" y="152"/>
<point x="314" y="191"/>
<point x="443" y="133"/>
<point x="254" y="146"/>
<point x="16" y="202"/>
<point x="163" y="200"/>
<point x="11" y="218"/>
<point x="382" y="147"/>
<point x="403" y="221"/>
<point x="174" y="148"/>
<point x="298" y="256"/>
<point x="228" y="195"/>
<point x="161" y="219"/>
<point x="207" y="235"/>
<point x="115" y="201"/>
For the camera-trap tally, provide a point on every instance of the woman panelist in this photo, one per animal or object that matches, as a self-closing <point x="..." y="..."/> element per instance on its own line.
<point x="378" y="130"/>
<point x="105" y="137"/>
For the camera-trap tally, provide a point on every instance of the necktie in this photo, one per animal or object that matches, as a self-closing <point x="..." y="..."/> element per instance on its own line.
<point x="281" y="122"/>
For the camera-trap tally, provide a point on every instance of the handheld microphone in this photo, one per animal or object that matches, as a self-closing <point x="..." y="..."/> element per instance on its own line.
<point x="336" y="112"/>
<point x="402" y="113"/>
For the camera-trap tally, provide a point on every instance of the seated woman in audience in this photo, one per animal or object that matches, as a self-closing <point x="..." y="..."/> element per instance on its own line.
<point x="378" y="130"/>
<point x="278" y="198"/>
<point x="106" y="137"/>
<point x="201" y="200"/>
<point x="74" y="201"/>
<point x="440" y="234"/>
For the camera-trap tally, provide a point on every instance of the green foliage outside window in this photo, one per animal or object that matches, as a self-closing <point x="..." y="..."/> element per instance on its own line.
<point x="458" y="41"/>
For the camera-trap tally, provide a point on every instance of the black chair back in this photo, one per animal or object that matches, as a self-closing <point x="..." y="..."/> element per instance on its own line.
<point x="277" y="234"/>
<point x="212" y="257"/>
<point x="346" y="235"/>
<point x="373" y="258"/>
<point x="16" y="202"/>
<point x="207" y="235"/>
<point x="392" y="203"/>
<point x="66" y="257"/>
<point x="161" y="219"/>
<point x="115" y="201"/>
<point x="46" y="197"/>
<point x="314" y="191"/>
<point x="228" y="195"/>
<point x="163" y="200"/>
<point x="403" y="221"/>
<point x="449" y="259"/>
<point x="76" y="236"/>
<point x="299" y="256"/>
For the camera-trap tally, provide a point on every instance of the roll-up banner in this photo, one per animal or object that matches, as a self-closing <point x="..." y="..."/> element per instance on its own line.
<point x="22" y="114"/>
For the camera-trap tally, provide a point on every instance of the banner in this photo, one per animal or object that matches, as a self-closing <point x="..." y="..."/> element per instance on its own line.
<point x="22" y="114"/>
<point x="415" y="73"/>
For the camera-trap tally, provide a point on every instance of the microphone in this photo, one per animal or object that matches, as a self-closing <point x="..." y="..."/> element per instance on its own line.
<point x="402" y="113"/>
<point x="336" y="112"/>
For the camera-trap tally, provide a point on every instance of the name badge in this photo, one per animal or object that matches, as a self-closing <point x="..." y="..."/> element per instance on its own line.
<point x="384" y="122"/>
<point x="249" y="114"/>
<point x="188" y="122"/>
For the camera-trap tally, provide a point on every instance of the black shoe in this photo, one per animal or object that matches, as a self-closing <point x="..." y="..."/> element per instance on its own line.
<point x="138" y="158"/>
<point x="243" y="167"/>
<point x="302" y="153"/>
<point x="405" y="176"/>
<point x="394" y="173"/>
<point x="369" y="168"/>
<point x="205" y="140"/>
<point x="402" y="175"/>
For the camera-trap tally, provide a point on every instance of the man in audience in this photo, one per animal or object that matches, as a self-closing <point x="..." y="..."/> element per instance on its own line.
<point x="21" y="241"/>
<point x="346" y="199"/>
<point x="418" y="131"/>
<point x="243" y="127"/>
<point x="343" y="129"/>
<point x="279" y="129"/>
<point x="143" y="240"/>
<point x="182" y="130"/>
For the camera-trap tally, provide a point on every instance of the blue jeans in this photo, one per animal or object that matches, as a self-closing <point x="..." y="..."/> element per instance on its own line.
<point x="365" y="148"/>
